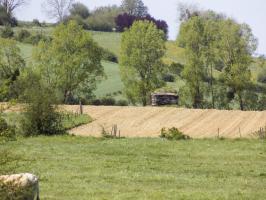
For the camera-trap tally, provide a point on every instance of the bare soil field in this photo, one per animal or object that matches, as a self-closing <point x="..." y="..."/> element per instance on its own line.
<point x="148" y="121"/>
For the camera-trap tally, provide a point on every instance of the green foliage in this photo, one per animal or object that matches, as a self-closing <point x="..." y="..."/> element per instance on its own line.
<point x="71" y="120"/>
<point x="7" y="32"/>
<point x="176" y="68"/>
<point x="141" y="67"/>
<point x="103" y="18"/>
<point x="237" y="45"/>
<point x="6" y="132"/>
<point x="262" y="76"/>
<point x="169" y="77"/>
<point x="122" y="103"/>
<point x="79" y="9"/>
<point x="173" y="134"/>
<point x="135" y="8"/>
<point x="71" y="62"/>
<point x="192" y="38"/>
<point x="23" y="35"/>
<point x="36" y="22"/>
<point x="41" y="116"/>
<point x="11" y="64"/>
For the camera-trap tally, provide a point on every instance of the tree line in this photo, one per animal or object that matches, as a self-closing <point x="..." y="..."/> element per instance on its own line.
<point x="219" y="52"/>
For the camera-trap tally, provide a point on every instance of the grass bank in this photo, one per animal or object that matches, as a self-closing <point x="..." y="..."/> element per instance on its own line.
<point x="89" y="168"/>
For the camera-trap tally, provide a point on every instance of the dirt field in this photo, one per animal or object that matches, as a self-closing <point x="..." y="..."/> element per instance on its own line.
<point x="147" y="122"/>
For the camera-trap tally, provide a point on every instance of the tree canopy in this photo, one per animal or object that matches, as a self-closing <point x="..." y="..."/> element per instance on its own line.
<point x="142" y="49"/>
<point x="71" y="62"/>
<point x="135" y="8"/>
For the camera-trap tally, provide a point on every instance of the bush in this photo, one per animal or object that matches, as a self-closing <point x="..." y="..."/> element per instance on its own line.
<point x="262" y="76"/>
<point x="122" y="103"/>
<point x="176" y="68"/>
<point x="79" y="9"/>
<point x="173" y="134"/>
<point x="23" y="35"/>
<point x="36" y="22"/>
<point x="41" y="116"/>
<point x="103" y="18"/>
<point x="108" y="101"/>
<point x="35" y="39"/>
<point x="6" y="132"/>
<point x="7" y="32"/>
<point x="169" y="78"/>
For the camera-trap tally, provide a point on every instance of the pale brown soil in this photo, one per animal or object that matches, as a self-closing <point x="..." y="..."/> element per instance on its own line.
<point x="147" y="122"/>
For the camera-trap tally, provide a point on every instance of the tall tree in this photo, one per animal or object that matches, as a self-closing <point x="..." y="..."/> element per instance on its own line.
<point x="142" y="49"/>
<point x="79" y="9"/>
<point x="191" y="38"/>
<point x="71" y="63"/>
<point x="57" y="9"/>
<point x="237" y="46"/>
<point x="135" y="8"/>
<point x="11" y="5"/>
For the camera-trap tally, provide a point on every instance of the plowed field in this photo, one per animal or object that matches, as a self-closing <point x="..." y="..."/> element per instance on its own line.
<point x="148" y="121"/>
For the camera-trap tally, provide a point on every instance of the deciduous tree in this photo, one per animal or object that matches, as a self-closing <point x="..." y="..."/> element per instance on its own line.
<point x="135" y="8"/>
<point x="71" y="63"/>
<point x="142" y="49"/>
<point x="57" y="9"/>
<point x="11" y="64"/>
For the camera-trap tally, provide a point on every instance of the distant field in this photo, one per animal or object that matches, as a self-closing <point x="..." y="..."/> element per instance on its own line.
<point x="152" y="169"/>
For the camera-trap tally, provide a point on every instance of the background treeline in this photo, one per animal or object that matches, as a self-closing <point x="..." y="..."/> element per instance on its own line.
<point x="219" y="54"/>
<point x="106" y="18"/>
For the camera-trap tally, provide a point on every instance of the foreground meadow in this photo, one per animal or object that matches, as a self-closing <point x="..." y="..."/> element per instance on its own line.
<point x="93" y="168"/>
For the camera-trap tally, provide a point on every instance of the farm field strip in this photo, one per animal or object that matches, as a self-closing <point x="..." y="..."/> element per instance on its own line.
<point x="148" y="121"/>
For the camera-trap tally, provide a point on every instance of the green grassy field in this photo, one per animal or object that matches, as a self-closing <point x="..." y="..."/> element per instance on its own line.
<point x="89" y="168"/>
<point x="112" y="83"/>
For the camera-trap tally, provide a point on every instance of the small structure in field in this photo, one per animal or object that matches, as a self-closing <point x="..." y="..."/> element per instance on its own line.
<point x="161" y="99"/>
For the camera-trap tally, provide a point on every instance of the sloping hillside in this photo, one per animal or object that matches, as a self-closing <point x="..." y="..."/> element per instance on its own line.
<point x="148" y="121"/>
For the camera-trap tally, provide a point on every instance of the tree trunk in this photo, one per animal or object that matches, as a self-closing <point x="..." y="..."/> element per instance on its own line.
<point x="241" y="103"/>
<point x="211" y="83"/>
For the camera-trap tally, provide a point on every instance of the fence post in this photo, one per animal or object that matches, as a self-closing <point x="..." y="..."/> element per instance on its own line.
<point x="80" y="107"/>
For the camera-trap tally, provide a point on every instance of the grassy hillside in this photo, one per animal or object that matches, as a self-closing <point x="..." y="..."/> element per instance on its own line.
<point x="90" y="168"/>
<point x="112" y="83"/>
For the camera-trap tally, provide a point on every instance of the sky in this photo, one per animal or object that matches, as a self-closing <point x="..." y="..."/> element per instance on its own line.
<point x="252" y="12"/>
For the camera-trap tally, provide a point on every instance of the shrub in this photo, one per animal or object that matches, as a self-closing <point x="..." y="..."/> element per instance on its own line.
<point x="173" y="134"/>
<point x="36" y="22"/>
<point x="103" y="18"/>
<point x="176" y="68"/>
<point x="35" y="39"/>
<point x="262" y="76"/>
<point x="41" y="116"/>
<point x="122" y="103"/>
<point x="79" y="9"/>
<point x="6" y="132"/>
<point x="108" y="101"/>
<point x="23" y="35"/>
<point x="169" y="78"/>
<point x="7" y="32"/>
